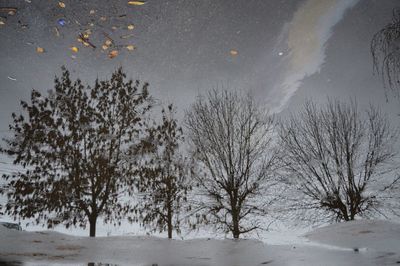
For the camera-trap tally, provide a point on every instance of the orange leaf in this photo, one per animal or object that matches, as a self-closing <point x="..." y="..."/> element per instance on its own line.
<point x="112" y="54"/>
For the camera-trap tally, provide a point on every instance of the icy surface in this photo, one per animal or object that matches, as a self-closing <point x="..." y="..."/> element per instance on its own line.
<point x="356" y="243"/>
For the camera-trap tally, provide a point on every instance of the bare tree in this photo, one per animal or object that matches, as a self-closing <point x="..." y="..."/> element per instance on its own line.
<point x="385" y="49"/>
<point x="340" y="159"/>
<point x="231" y="140"/>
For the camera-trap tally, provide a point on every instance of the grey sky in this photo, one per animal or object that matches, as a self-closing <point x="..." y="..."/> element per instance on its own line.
<point x="183" y="48"/>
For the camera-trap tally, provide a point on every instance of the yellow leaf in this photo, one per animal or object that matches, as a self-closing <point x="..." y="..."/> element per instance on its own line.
<point x="108" y="42"/>
<point x="131" y="27"/>
<point x="61" y="4"/>
<point x="86" y="44"/>
<point x="74" y="49"/>
<point x="105" y="47"/>
<point x="39" y="50"/>
<point x="130" y="47"/>
<point x="234" y="52"/>
<point x="113" y="54"/>
<point x="136" y="3"/>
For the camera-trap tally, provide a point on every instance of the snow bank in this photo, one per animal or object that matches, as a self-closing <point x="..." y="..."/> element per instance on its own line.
<point x="51" y="248"/>
<point x="378" y="235"/>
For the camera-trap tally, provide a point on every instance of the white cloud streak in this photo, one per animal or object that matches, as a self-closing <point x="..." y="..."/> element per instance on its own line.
<point x="307" y="35"/>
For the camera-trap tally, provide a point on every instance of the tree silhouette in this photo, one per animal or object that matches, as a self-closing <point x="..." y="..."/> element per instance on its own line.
<point x="231" y="141"/>
<point x="164" y="182"/>
<point x="385" y="50"/>
<point x="341" y="160"/>
<point x="78" y="147"/>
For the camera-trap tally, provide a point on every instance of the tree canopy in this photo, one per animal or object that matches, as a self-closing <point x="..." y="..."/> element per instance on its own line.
<point x="77" y="145"/>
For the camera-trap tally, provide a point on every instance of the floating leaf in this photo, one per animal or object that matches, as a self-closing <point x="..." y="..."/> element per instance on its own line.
<point x="127" y="36"/>
<point x="130" y="47"/>
<point x="136" y="3"/>
<point x="10" y="10"/>
<point x="103" y="18"/>
<point x="61" y="4"/>
<point x="74" y="49"/>
<point x="57" y="32"/>
<point x="112" y="54"/>
<point x="22" y="25"/>
<point x="39" y="50"/>
<point x="91" y="12"/>
<point x="85" y="40"/>
<point x="234" y="52"/>
<point x="131" y="27"/>
<point x="104" y="47"/>
<point x="61" y="22"/>
<point x="108" y="42"/>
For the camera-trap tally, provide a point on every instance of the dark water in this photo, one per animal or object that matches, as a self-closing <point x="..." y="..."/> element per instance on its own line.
<point x="20" y="263"/>
<point x="11" y="263"/>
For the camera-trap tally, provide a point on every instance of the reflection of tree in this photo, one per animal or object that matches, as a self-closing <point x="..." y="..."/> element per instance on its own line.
<point x="343" y="161"/>
<point x="385" y="49"/>
<point x="77" y="145"/>
<point x="232" y="141"/>
<point x="164" y="183"/>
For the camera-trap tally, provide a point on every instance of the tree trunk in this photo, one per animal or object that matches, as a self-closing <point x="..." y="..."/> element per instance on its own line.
<point x="236" y="232"/>
<point x="169" y="222"/>
<point x="92" y="222"/>
<point x="235" y="210"/>
<point x="169" y="230"/>
<point x="235" y="221"/>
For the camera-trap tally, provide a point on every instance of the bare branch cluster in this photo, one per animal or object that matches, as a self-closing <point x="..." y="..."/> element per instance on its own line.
<point x="385" y="50"/>
<point x="231" y="140"/>
<point x="342" y="160"/>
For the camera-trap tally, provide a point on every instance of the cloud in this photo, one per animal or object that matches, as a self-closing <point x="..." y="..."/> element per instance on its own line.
<point x="306" y="38"/>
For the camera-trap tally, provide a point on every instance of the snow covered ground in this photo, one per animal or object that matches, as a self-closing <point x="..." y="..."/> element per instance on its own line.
<point x="354" y="243"/>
